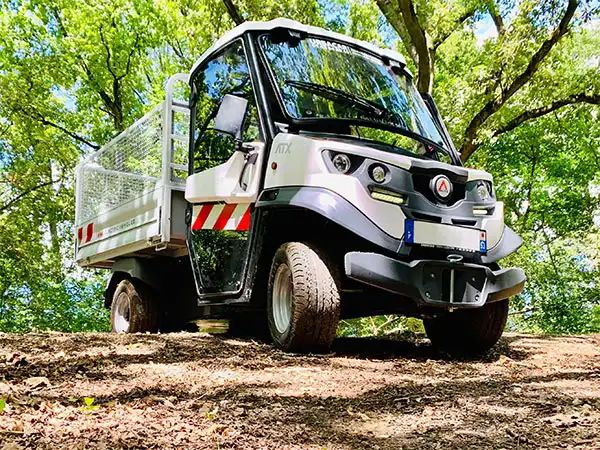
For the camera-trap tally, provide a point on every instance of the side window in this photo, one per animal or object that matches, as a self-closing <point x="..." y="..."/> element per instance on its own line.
<point x="227" y="73"/>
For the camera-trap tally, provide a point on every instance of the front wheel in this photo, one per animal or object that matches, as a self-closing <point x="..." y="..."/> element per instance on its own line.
<point x="134" y="308"/>
<point x="303" y="302"/>
<point x="468" y="332"/>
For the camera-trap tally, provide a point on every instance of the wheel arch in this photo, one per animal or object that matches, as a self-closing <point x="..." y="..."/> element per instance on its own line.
<point x="128" y="268"/>
<point x="332" y="208"/>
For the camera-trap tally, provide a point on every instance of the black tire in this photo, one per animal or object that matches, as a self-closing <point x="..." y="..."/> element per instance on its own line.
<point x="315" y="300"/>
<point x="134" y="308"/>
<point x="468" y="332"/>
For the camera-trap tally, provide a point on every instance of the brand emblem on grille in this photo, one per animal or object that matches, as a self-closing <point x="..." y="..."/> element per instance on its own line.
<point x="441" y="187"/>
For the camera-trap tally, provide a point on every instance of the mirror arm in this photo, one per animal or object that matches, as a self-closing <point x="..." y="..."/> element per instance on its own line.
<point x="243" y="147"/>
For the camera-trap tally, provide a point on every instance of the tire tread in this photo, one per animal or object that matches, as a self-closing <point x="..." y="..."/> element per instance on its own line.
<point x="316" y="309"/>
<point x="144" y="311"/>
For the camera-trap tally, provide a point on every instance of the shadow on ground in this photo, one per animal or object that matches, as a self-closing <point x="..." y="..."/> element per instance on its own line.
<point x="368" y="393"/>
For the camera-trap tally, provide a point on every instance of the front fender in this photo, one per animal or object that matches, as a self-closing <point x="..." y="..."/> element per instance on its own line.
<point x="333" y="207"/>
<point x="509" y="243"/>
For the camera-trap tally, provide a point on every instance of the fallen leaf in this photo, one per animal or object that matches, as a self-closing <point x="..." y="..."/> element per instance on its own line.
<point x="18" y="426"/>
<point x="5" y="389"/>
<point x="16" y="359"/>
<point x="217" y="429"/>
<point x="239" y="412"/>
<point x="37" y="382"/>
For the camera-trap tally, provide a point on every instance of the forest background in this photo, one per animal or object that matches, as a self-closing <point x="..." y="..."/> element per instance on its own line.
<point x="517" y="82"/>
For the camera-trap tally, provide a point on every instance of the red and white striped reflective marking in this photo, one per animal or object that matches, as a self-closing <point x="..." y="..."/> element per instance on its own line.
<point x="88" y="230"/>
<point x="212" y="216"/>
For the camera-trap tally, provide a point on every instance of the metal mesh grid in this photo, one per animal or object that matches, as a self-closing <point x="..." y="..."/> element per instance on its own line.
<point x="126" y="168"/>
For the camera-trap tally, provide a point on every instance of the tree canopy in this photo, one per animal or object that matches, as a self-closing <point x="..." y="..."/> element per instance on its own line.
<point x="517" y="83"/>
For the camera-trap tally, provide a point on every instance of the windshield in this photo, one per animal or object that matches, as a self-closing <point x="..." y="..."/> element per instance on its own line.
<point x="321" y="79"/>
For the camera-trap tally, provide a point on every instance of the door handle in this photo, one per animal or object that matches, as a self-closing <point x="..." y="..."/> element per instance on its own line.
<point x="251" y="157"/>
<point x="249" y="160"/>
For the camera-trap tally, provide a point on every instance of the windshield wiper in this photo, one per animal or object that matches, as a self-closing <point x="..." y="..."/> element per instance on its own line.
<point x="384" y="116"/>
<point x="379" y="111"/>
<point x="337" y="95"/>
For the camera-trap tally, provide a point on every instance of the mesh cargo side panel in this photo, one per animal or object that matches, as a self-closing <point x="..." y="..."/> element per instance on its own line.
<point x="126" y="168"/>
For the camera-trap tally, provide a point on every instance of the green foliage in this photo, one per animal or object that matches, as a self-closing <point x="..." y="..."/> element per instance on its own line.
<point x="379" y="326"/>
<point x="545" y="172"/>
<point x="67" y="305"/>
<point x="89" y="404"/>
<point x="74" y="74"/>
<point x="540" y="142"/>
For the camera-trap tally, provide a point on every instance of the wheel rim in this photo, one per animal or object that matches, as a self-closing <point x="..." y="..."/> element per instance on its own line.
<point x="282" y="298"/>
<point x="122" y="311"/>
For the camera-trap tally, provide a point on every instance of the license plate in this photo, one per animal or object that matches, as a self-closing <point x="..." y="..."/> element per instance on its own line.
<point x="443" y="235"/>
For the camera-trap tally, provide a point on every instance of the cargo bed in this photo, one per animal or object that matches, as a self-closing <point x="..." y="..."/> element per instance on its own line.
<point x="130" y="193"/>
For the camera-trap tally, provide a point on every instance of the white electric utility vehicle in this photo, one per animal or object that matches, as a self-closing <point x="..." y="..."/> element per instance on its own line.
<point x="303" y="180"/>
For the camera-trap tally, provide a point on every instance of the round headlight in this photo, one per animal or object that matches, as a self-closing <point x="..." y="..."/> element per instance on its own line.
<point x="483" y="191"/>
<point x="378" y="173"/>
<point x="342" y="162"/>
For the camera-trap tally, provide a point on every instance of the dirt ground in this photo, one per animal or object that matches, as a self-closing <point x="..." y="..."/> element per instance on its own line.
<point x="104" y="391"/>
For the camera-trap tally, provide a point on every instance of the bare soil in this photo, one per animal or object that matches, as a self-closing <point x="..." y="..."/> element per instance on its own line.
<point x="194" y="390"/>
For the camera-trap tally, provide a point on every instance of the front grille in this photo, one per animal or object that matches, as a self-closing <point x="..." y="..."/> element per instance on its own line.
<point x="466" y="222"/>
<point x="421" y="183"/>
<point x="426" y="217"/>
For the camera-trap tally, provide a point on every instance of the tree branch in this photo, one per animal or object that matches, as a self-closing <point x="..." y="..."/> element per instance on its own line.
<point x="441" y="39"/>
<point x="496" y="17"/>
<point x="108" y="102"/>
<point x="27" y="192"/>
<point x="107" y="48"/>
<point x="593" y="99"/>
<point x="35" y="115"/>
<point x="134" y="47"/>
<point x="468" y="146"/>
<point x="389" y="10"/>
<point x="233" y="11"/>
<point x="6" y="128"/>
<point x="422" y="43"/>
<point x="523" y="311"/>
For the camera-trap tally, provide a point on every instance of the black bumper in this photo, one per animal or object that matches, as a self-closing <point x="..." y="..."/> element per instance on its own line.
<point x="435" y="283"/>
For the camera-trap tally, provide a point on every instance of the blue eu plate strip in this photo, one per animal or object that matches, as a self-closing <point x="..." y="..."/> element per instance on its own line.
<point x="482" y="246"/>
<point x="483" y="242"/>
<point x="409" y="231"/>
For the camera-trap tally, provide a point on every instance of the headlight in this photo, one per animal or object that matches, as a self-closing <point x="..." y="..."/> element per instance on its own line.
<point x="484" y="191"/>
<point x="378" y="173"/>
<point x="342" y="163"/>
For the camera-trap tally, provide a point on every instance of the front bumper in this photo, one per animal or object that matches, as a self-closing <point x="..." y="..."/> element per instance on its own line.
<point x="436" y="283"/>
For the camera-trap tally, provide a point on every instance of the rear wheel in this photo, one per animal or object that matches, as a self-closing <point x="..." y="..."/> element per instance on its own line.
<point x="468" y="332"/>
<point x="303" y="301"/>
<point x="134" y="308"/>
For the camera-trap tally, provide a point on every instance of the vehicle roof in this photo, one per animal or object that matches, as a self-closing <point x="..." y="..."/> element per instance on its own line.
<point x="295" y="26"/>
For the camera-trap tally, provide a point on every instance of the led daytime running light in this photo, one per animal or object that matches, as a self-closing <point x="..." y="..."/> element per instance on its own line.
<point x="389" y="198"/>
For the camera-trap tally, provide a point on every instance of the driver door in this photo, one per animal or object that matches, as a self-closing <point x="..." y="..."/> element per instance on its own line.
<point x="224" y="180"/>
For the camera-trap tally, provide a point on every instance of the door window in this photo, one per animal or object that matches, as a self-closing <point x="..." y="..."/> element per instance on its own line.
<point x="227" y="73"/>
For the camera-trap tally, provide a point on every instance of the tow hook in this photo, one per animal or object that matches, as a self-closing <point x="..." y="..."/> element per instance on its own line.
<point x="453" y="258"/>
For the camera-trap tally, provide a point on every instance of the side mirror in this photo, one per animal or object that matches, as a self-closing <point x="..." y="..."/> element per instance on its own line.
<point x="231" y="115"/>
